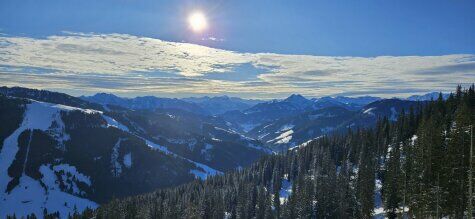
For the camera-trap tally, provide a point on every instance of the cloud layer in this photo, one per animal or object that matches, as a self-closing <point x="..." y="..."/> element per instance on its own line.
<point x="131" y="65"/>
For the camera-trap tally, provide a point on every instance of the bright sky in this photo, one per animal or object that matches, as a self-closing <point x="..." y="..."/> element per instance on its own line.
<point x="255" y="49"/>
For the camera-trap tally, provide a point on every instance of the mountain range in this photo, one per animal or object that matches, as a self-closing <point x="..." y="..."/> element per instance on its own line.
<point x="76" y="153"/>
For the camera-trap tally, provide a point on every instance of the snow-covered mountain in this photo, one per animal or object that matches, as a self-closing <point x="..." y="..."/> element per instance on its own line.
<point x="350" y="103"/>
<point x="264" y="112"/>
<point x="63" y="159"/>
<point x="198" y="105"/>
<point x="146" y="102"/>
<point x="290" y="131"/>
<point x="74" y="154"/>
<point x="222" y="104"/>
<point x="207" y="139"/>
<point x="294" y="105"/>
<point x="84" y="151"/>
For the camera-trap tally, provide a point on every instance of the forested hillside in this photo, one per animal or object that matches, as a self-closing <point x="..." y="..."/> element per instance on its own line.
<point x="417" y="165"/>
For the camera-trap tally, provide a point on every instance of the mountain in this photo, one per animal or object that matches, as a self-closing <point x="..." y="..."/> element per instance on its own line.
<point x="390" y="108"/>
<point x="290" y="131"/>
<point x="75" y="157"/>
<point x="428" y="96"/>
<point x="222" y="104"/>
<point x="268" y="111"/>
<point x="63" y="158"/>
<point x="48" y="96"/>
<point x="146" y="102"/>
<point x="361" y="101"/>
<point x="364" y="173"/>
<point x="60" y="147"/>
<point x="350" y="103"/>
<point x="205" y="139"/>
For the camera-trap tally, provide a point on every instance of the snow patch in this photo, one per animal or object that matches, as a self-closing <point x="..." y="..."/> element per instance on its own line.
<point x="111" y="122"/>
<point x="413" y="139"/>
<point x="369" y="111"/>
<point x="285" y="191"/>
<point x="284" y="138"/>
<point x="204" y="171"/>
<point x="378" y="202"/>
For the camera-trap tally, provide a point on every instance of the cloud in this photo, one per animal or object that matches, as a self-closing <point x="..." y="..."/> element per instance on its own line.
<point x="133" y="65"/>
<point x="450" y="69"/>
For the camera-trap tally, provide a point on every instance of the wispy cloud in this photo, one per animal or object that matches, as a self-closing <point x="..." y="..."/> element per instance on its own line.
<point x="132" y="65"/>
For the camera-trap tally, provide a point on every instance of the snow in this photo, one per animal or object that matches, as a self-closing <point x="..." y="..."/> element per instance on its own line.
<point x="304" y="144"/>
<point x="368" y="111"/>
<point x="285" y="191"/>
<point x="378" y="203"/>
<point x="157" y="146"/>
<point x="284" y="137"/>
<point x="37" y="116"/>
<point x="204" y="171"/>
<point x="128" y="160"/>
<point x="245" y="138"/>
<point x="29" y="196"/>
<point x="112" y="122"/>
<point x="414" y="139"/>
<point x="73" y="171"/>
<point x="261" y="136"/>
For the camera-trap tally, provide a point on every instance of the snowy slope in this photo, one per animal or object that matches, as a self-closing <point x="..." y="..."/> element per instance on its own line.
<point x="30" y="196"/>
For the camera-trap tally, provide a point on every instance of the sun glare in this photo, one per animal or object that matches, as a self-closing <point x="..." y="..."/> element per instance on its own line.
<point x="197" y="21"/>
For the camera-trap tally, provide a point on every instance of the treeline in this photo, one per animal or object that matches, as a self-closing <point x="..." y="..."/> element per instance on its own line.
<point x="417" y="166"/>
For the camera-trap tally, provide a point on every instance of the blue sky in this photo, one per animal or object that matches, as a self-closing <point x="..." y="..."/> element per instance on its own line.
<point x="265" y="37"/>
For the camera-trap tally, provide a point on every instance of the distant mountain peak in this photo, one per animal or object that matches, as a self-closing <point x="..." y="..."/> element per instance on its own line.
<point x="103" y="94"/>
<point x="296" y="98"/>
<point x="428" y="96"/>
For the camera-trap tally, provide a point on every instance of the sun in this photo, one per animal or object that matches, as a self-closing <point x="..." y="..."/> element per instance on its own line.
<point x="197" y="21"/>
